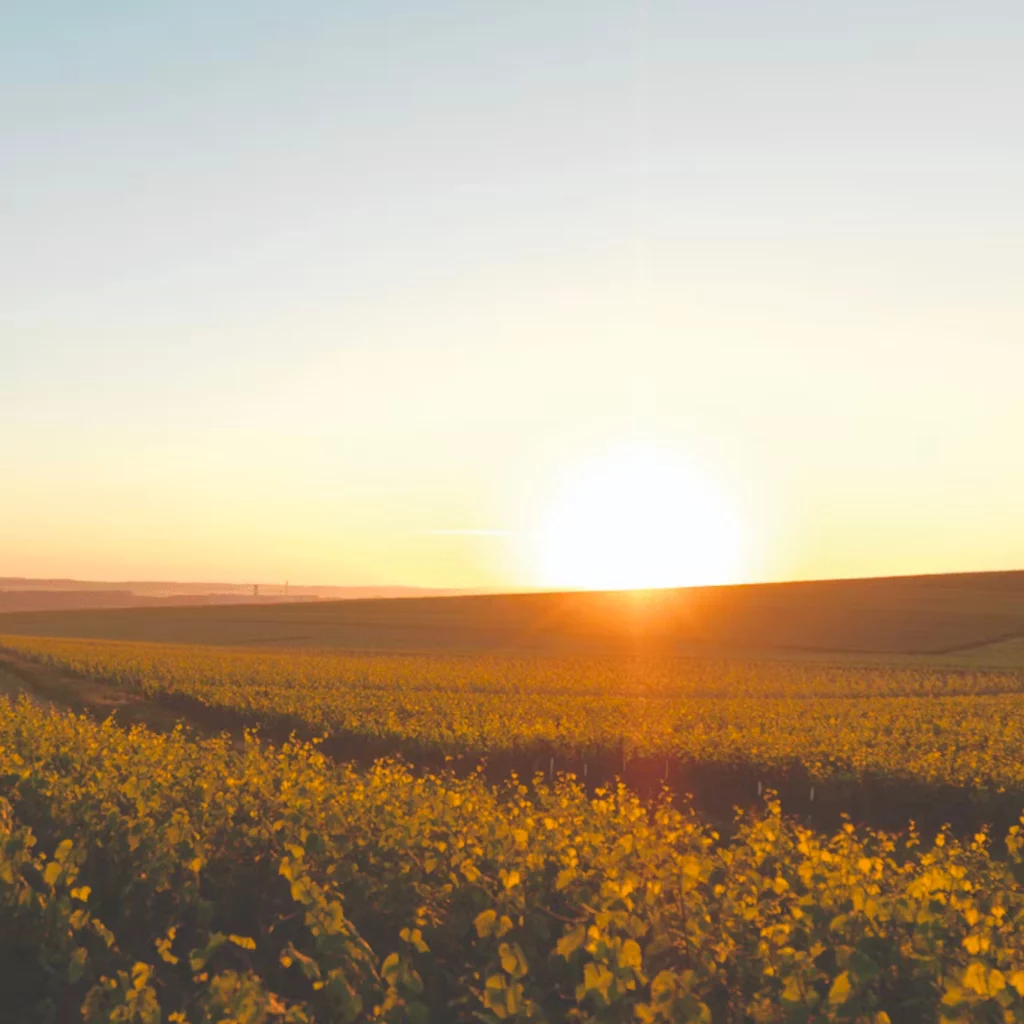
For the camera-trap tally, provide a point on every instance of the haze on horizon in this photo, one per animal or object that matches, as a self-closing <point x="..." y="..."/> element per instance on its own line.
<point x="509" y="297"/>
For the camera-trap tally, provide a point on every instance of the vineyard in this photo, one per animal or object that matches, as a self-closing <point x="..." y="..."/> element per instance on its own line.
<point x="245" y="876"/>
<point x="148" y="877"/>
<point x="910" y="742"/>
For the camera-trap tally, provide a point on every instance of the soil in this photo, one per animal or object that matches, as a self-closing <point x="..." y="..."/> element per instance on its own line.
<point x="51" y="686"/>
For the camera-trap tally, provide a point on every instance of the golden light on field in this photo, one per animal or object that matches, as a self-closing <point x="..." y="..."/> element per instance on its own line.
<point x="638" y="518"/>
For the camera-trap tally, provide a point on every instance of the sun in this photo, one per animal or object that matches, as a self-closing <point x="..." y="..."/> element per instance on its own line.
<point x="634" y="519"/>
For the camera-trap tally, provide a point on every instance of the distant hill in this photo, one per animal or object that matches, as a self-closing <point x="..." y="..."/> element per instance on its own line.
<point x="967" y="617"/>
<point x="23" y="594"/>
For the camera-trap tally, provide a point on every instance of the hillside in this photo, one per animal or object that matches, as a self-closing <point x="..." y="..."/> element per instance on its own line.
<point x="974" y="616"/>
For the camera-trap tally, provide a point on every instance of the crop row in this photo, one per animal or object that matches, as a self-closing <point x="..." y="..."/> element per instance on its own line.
<point x="902" y="726"/>
<point x="148" y="877"/>
<point x="174" y="665"/>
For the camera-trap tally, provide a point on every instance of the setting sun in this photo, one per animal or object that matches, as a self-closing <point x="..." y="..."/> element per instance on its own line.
<point x="635" y="519"/>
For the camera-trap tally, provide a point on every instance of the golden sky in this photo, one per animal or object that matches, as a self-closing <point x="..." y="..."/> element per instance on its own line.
<point x="512" y="298"/>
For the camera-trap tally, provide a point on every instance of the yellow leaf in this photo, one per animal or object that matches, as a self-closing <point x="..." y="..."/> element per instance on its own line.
<point x="415" y="939"/>
<point x="513" y="960"/>
<point x="596" y="978"/>
<point x="840" y="990"/>
<point x="140" y="976"/>
<point x="571" y="941"/>
<point x="484" y="922"/>
<point x="792" y="992"/>
<point x="975" y="978"/>
<point x="630" y="955"/>
<point x="565" y="876"/>
<point x="514" y="997"/>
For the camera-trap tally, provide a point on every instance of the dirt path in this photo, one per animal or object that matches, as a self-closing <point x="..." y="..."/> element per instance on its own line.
<point x="14" y="686"/>
<point x="48" y="685"/>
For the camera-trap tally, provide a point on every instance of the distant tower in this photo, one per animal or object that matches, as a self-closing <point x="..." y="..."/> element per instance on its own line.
<point x="255" y="590"/>
<point x="285" y="588"/>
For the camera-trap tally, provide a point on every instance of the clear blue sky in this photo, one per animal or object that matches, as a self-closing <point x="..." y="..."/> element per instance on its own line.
<point x="303" y="291"/>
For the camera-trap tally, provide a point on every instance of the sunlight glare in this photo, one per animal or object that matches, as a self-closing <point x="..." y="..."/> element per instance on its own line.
<point x="637" y="518"/>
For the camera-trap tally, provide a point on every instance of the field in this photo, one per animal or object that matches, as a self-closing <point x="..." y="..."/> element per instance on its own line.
<point x="970" y="619"/>
<point x="575" y="811"/>
<point x="219" y="882"/>
<point x="883" y="744"/>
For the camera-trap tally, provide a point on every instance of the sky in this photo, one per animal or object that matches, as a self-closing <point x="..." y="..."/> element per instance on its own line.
<point x="365" y="293"/>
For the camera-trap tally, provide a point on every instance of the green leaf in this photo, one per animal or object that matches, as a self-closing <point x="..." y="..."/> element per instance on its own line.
<point x="198" y="958"/>
<point x="76" y="966"/>
<point x="862" y="967"/>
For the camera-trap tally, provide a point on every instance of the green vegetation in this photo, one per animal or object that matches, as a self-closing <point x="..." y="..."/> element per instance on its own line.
<point x="861" y="733"/>
<point x="148" y="877"/>
<point x="160" y="877"/>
